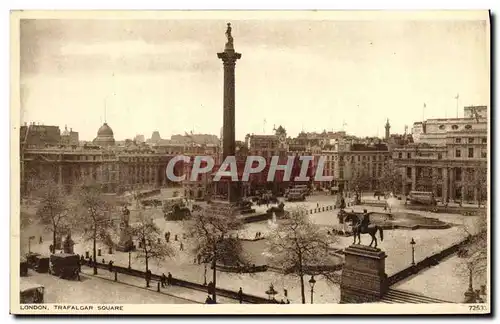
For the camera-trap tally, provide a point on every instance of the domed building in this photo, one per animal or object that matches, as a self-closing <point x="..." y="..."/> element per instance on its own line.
<point x="104" y="136"/>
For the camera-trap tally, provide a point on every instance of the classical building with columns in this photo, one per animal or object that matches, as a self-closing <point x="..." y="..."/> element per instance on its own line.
<point x="448" y="156"/>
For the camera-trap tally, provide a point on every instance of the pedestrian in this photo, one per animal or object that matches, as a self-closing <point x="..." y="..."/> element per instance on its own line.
<point x="317" y="205"/>
<point x="110" y="266"/>
<point x="175" y="237"/>
<point x="210" y="287"/>
<point x="240" y="295"/>
<point x="198" y="257"/>
<point x="103" y="261"/>
<point x="41" y="240"/>
<point x="51" y="248"/>
<point x="148" y="277"/>
<point x="182" y="247"/>
<point x="288" y="301"/>
<point x="285" y="292"/>
<point x="169" y="279"/>
<point x="209" y="300"/>
<point x="163" y="280"/>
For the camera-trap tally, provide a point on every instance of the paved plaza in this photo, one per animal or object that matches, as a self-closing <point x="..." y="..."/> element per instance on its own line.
<point x="395" y="244"/>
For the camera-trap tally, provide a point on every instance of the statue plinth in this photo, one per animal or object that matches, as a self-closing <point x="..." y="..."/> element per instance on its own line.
<point x="126" y="244"/>
<point x="363" y="276"/>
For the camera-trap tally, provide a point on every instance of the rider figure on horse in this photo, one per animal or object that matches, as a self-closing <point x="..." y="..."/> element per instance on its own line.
<point x="365" y="222"/>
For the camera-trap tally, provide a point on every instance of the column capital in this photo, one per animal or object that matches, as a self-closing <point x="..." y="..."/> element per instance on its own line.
<point x="229" y="57"/>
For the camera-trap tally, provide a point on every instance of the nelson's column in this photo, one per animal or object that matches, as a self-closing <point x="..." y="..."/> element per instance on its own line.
<point x="229" y="57"/>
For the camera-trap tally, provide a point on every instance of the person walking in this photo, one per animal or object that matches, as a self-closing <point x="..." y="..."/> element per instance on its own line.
<point x="163" y="280"/>
<point x="169" y="279"/>
<point x="240" y="295"/>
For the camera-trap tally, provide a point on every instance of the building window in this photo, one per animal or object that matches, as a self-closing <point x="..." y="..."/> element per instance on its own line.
<point x="454" y="127"/>
<point x="457" y="140"/>
<point x="408" y="155"/>
<point x="468" y="126"/>
<point x="400" y="155"/>
<point x="440" y="156"/>
<point x="483" y="154"/>
<point x="471" y="152"/>
<point x="408" y="172"/>
<point x="457" y="153"/>
<point x="458" y="174"/>
<point x="483" y="140"/>
<point x="374" y="158"/>
<point x="441" y="127"/>
<point x="471" y="140"/>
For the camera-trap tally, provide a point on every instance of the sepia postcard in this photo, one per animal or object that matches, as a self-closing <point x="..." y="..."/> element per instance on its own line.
<point x="250" y="162"/>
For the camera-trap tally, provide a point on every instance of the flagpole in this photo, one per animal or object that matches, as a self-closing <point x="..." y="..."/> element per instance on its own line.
<point x="457" y="103"/>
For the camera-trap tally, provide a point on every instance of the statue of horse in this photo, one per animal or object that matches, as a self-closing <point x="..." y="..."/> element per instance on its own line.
<point x="358" y="228"/>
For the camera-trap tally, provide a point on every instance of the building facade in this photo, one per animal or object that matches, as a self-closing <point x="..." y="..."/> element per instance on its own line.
<point x="448" y="157"/>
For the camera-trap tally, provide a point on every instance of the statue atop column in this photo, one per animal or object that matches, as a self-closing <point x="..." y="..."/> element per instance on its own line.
<point x="126" y="244"/>
<point x="229" y="44"/>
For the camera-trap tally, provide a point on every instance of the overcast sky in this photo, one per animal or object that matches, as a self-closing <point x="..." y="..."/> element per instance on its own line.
<point x="165" y="75"/>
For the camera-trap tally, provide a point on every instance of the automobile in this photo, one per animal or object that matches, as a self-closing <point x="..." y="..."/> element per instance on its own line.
<point x="42" y="264"/>
<point x="31" y="259"/>
<point x="31" y="293"/>
<point x="64" y="265"/>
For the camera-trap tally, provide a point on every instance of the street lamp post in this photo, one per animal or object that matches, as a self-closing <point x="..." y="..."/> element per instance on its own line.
<point x="129" y="264"/>
<point x="312" y="282"/>
<point x="470" y="295"/>
<point x="205" y="275"/>
<point x="29" y="243"/>
<point x="412" y="251"/>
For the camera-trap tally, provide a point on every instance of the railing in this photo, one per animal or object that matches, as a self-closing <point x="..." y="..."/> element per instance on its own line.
<point x="426" y="263"/>
<point x="246" y="298"/>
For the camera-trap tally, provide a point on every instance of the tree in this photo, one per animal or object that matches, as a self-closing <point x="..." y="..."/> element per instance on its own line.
<point x="478" y="179"/>
<point x="212" y="240"/>
<point x="475" y="253"/>
<point x="52" y="209"/>
<point x="302" y="247"/>
<point x="425" y="180"/>
<point x="94" y="211"/>
<point x="360" y="182"/>
<point x="148" y="233"/>
<point x="390" y="178"/>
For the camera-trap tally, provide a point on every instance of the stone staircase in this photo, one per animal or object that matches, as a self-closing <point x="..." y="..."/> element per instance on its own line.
<point x="396" y="296"/>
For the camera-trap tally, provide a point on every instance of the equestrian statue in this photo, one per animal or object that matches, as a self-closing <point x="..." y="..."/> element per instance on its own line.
<point x="363" y="226"/>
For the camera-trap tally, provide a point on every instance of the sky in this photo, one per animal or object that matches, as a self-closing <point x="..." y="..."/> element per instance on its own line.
<point x="145" y="75"/>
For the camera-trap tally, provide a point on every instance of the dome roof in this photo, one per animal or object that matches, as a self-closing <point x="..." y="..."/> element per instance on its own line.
<point x="105" y="130"/>
<point x="105" y="136"/>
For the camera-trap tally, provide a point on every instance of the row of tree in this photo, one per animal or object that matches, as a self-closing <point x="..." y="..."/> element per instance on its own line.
<point x="296" y="245"/>
<point x="391" y="178"/>
<point x="91" y="214"/>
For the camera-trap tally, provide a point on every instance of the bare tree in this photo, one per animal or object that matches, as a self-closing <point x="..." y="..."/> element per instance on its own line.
<point x="148" y="233"/>
<point x="475" y="253"/>
<point x="478" y="179"/>
<point x="94" y="211"/>
<point x="213" y="243"/>
<point x="52" y="209"/>
<point x="301" y="247"/>
<point x="360" y="182"/>
<point x="425" y="180"/>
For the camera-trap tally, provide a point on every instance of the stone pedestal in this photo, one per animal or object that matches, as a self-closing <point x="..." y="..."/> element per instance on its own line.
<point x="363" y="276"/>
<point x="126" y="243"/>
